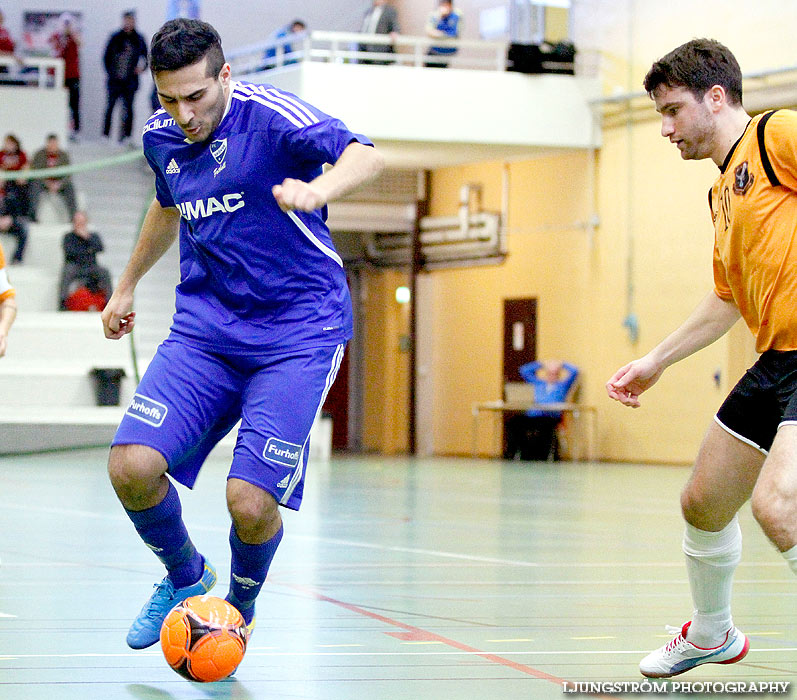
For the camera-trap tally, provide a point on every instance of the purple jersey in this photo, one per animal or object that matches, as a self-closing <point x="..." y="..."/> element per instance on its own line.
<point x="253" y="279"/>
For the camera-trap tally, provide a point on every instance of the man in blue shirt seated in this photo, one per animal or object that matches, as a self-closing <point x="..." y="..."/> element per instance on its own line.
<point x="262" y="311"/>
<point x="443" y="22"/>
<point x="533" y="436"/>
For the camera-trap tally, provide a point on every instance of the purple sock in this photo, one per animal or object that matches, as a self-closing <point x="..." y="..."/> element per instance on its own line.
<point x="163" y="531"/>
<point x="248" y="570"/>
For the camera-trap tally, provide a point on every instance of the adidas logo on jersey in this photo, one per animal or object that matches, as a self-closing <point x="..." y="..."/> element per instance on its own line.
<point x="284" y="483"/>
<point x="172" y="168"/>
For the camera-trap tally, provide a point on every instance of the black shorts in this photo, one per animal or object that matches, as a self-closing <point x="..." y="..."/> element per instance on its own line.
<point x="764" y="399"/>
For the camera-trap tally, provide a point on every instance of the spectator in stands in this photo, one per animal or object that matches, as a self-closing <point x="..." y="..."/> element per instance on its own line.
<point x="125" y="59"/>
<point x="14" y="225"/>
<point x="80" y="261"/>
<point x="51" y="156"/>
<point x="381" y="18"/>
<point x="295" y="27"/>
<point x="445" y="21"/>
<point x="8" y="305"/>
<point x="533" y="436"/>
<point x="66" y="45"/>
<point x="16" y="192"/>
<point x="7" y="46"/>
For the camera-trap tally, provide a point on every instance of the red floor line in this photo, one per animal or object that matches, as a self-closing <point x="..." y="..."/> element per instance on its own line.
<point x="431" y="636"/>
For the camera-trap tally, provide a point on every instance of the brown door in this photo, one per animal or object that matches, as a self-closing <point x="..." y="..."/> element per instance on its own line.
<point x="520" y="336"/>
<point x="337" y="406"/>
<point x="520" y="342"/>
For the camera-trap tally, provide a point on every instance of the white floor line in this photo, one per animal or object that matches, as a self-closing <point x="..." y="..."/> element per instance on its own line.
<point x="385" y="548"/>
<point x="504" y="652"/>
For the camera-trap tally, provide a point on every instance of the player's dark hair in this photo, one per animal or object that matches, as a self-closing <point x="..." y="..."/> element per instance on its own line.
<point x="184" y="42"/>
<point x="698" y="65"/>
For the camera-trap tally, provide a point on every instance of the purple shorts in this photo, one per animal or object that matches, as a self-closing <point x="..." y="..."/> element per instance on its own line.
<point x="189" y="399"/>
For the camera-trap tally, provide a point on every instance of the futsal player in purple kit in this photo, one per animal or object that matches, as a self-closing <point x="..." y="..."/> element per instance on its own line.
<point x="262" y="317"/>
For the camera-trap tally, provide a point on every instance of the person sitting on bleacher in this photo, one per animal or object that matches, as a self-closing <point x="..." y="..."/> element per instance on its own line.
<point x="51" y="156"/>
<point x="12" y="223"/>
<point x="8" y="305"/>
<point x="81" y="269"/>
<point x="13" y="158"/>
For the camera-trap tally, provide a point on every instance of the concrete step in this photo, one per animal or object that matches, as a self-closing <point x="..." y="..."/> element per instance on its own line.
<point x="37" y="428"/>
<point x="67" y="387"/>
<point x="37" y="288"/>
<point x="73" y="339"/>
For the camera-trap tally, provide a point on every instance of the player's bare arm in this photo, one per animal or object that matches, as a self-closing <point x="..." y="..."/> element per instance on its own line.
<point x="158" y="232"/>
<point x="712" y="319"/>
<point x="357" y="164"/>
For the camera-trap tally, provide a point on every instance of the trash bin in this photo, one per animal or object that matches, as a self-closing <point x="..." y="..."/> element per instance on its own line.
<point x="106" y="384"/>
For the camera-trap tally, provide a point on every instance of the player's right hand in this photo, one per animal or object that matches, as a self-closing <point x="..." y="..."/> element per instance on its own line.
<point x="630" y="381"/>
<point x="117" y="318"/>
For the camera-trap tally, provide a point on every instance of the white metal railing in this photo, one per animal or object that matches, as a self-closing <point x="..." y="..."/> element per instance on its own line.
<point x="33" y="72"/>
<point x="353" y="47"/>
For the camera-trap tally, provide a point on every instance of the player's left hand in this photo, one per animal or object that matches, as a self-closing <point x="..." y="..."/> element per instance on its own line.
<point x="295" y="194"/>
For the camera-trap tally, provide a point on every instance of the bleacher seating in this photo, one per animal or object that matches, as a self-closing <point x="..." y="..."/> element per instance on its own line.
<point x="48" y="393"/>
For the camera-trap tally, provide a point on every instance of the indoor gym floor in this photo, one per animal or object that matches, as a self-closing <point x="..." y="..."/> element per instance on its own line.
<point x="438" y="579"/>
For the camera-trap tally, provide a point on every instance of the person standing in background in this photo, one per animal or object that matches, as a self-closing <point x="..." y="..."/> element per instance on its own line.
<point x="445" y="21"/>
<point x="125" y="59"/>
<point x="381" y="18"/>
<point x="296" y="27"/>
<point x="66" y="45"/>
<point x="7" y="45"/>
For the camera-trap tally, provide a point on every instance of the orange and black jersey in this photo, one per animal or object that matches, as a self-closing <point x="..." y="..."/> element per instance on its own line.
<point x="6" y="290"/>
<point x="754" y="208"/>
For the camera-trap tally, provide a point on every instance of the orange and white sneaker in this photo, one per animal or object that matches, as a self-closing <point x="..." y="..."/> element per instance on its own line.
<point x="680" y="655"/>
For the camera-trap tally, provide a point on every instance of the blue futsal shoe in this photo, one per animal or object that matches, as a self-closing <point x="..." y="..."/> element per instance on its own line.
<point x="249" y="629"/>
<point x="146" y="628"/>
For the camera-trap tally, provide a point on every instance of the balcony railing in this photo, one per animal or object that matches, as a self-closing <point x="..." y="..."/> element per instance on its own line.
<point x="32" y="72"/>
<point x="349" y="47"/>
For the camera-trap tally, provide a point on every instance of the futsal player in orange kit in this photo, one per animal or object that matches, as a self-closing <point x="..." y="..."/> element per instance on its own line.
<point x="8" y="305"/>
<point x="750" y="449"/>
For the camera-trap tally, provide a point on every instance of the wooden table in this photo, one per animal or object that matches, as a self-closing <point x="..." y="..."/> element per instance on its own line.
<point x="577" y="410"/>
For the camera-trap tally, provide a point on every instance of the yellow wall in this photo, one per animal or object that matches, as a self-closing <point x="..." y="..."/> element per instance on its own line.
<point x="557" y="24"/>
<point x="647" y="200"/>
<point x="386" y="367"/>
<point x="651" y="205"/>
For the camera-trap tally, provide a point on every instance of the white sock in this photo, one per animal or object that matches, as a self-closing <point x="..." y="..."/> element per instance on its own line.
<point x="711" y="559"/>
<point x="790" y="555"/>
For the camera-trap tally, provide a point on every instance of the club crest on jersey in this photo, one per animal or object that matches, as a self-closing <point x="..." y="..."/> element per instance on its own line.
<point x="218" y="149"/>
<point x="742" y="179"/>
<point x="282" y="452"/>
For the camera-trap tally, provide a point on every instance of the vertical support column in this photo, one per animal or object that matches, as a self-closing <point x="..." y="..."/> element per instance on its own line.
<point x="416" y="267"/>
